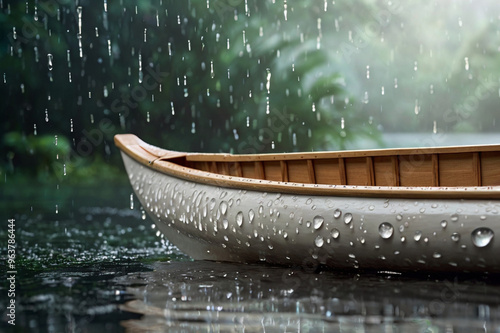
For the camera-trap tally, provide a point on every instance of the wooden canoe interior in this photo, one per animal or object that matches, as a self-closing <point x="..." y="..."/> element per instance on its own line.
<point x="440" y="169"/>
<point x="462" y="166"/>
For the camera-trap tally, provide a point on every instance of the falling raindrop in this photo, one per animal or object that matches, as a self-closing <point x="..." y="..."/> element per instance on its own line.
<point x="385" y="230"/>
<point x="268" y="80"/>
<point x="366" y="98"/>
<point x="131" y="201"/>
<point x="481" y="237"/>
<point x="79" y="34"/>
<point x="318" y="222"/>
<point x="141" y="75"/>
<point x="50" y="58"/>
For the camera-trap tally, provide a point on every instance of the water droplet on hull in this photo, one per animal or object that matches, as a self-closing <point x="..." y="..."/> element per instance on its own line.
<point x="481" y="237"/>
<point x="318" y="222"/>
<point x="319" y="241"/>
<point x="385" y="230"/>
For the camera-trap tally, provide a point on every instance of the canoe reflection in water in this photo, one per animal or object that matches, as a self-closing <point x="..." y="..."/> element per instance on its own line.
<point x="204" y="296"/>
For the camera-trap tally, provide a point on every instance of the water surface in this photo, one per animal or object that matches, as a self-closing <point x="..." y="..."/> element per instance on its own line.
<point x="97" y="265"/>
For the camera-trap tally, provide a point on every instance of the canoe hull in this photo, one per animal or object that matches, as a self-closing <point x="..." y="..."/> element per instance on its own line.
<point x="227" y="224"/>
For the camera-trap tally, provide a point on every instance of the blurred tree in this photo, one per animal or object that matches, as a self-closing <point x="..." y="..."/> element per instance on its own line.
<point x="238" y="76"/>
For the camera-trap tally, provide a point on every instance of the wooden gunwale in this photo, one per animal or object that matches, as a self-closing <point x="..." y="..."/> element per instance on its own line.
<point x="173" y="163"/>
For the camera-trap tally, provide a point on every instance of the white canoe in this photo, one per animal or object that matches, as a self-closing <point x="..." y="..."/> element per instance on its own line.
<point x="389" y="209"/>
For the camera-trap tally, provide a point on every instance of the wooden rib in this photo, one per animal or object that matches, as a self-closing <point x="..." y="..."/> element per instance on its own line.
<point x="259" y="170"/>
<point x="476" y="168"/>
<point x="342" y="172"/>
<point x="206" y="166"/>
<point x="239" y="171"/>
<point x="435" y="170"/>
<point x="310" y="172"/>
<point x="225" y="168"/>
<point x="395" y="169"/>
<point x="213" y="167"/>
<point x="370" y="171"/>
<point x="284" y="171"/>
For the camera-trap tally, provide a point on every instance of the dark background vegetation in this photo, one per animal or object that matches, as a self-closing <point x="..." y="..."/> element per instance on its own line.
<point x="235" y="76"/>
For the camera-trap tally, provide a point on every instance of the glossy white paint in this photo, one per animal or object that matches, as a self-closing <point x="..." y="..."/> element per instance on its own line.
<point x="218" y="223"/>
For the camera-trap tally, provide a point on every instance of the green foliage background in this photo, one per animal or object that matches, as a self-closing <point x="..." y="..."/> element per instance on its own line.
<point x="235" y="76"/>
